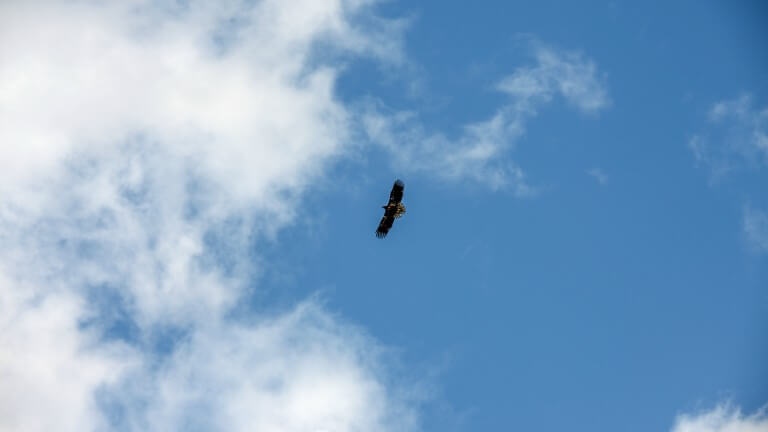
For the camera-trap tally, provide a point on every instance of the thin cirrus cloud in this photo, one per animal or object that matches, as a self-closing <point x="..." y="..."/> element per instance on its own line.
<point x="723" y="418"/>
<point x="598" y="174"/>
<point x="755" y="225"/>
<point x="135" y="137"/>
<point x="736" y="141"/>
<point x="736" y="138"/>
<point x="480" y="152"/>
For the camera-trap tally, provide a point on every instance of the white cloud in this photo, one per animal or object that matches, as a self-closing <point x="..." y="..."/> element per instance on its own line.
<point x="557" y="72"/>
<point x="736" y="141"/>
<point x="300" y="371"/>
<point x="145" y="147"/>
<point x="755" y="224"/>
<point x="49" y="368"/>
<point x="479" y="153"/>
<point x="736" y="137"/>
<point x="723" y="418"/>
<point x="138" y="128"/>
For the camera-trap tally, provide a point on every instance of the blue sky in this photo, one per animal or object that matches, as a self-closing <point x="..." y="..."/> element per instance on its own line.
<point x="190" y="196"/>
<point x="617" y="304"/>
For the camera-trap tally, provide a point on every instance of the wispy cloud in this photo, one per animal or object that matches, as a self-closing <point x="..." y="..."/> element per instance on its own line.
<point x="480" y="152"/>
<point x="735" y="141"/>
<point x="722" y="418"/>
<point x="598" y="175"/>
<point x="755" y="225"/>
<point x="147" y="149"/>
<point x="736" y="138"/>
<point x="557" y="72"/>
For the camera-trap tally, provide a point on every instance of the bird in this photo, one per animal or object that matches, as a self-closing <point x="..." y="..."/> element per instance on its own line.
<point x="393" y="210"/>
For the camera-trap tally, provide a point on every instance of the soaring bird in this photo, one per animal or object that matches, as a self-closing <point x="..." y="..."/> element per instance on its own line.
<point x="393" y="210"/>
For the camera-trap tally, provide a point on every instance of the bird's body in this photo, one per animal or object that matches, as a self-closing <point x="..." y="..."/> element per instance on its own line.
<point x="393" y="210"/>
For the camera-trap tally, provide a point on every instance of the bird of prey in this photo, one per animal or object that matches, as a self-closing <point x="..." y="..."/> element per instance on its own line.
<point x="393" y="210"/>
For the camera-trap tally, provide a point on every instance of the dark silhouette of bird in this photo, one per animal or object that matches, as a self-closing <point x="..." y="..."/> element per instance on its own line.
<point x="393" y="210"/>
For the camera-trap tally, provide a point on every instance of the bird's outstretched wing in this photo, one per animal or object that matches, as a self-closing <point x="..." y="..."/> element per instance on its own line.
<point x="397" y="192"/>
<point x="384" y="226"/>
